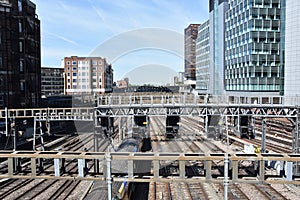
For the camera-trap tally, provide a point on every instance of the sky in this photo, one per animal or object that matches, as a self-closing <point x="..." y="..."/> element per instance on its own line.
<point x="109" y="28"/>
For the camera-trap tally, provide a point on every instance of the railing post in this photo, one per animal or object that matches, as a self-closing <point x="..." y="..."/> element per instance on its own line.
<point x="182" y="169"/>
<point x="56" y="167"/>
<point x="10" y="166"/>
<point x="262" y="171"/>
<point x="235" y="171"/>
<point x="208" y="170"/>
<point x="33" y="167"/>
<point x="130" y="168"/>
<point x="81" y="165"/>
<point x="156" y="169"/>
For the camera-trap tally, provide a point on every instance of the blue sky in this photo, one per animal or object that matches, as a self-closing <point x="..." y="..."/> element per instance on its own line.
<point x="78" y="27"/>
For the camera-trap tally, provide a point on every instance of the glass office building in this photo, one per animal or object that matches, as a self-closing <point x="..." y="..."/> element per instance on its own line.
<point x="210" y="50"/>
<point x="203" y="60"/>
<point x="253" y="40"/>
<point x="291" y="53"/>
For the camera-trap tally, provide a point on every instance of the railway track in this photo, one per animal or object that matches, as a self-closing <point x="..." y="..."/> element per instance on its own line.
<point x="197" y="191"/>
<point x="188" y="142"/>
<point x="161" y="190"/>
<point x="269" y="192"/>
<point x="35" y="188"/>
<point x="234" y="192"/>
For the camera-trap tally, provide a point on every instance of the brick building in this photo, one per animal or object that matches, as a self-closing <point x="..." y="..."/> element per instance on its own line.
<point x="91" y="75"/>
<point x="190" y="36"/>
<point x="20" y="55"/>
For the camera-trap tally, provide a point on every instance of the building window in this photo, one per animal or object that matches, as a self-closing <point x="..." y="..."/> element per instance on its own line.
<point x="21" y="46"/>
<point x="68" y="63"/>
<point x="20" y="27"/>
<point x="74" y="68"/>
<point x="20" y="5"/>
<point x="21" y="66"/>
<point x="74" y="80"/>
<point x="74" y="74"/>
<point x="74" y="63"/>
<point x="99" y="63"/>
<point x="22" y="86"/>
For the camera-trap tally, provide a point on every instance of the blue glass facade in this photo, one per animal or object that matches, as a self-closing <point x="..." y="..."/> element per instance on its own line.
<point x="252" y="56"/>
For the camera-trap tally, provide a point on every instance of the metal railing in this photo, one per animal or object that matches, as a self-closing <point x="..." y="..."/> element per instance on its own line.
<point x="154" y="175"/>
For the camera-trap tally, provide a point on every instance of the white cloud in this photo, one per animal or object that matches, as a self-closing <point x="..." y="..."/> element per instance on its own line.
<point x="77" y="27"/>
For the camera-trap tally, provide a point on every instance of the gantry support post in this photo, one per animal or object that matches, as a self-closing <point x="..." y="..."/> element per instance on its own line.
<point x="296" y="134"/>
<point x="296" y="142"/>
<point x="206" y="123"/>
<point x="239" y="125"/>
<point x="34" y="134"/>
<point x="96" y="145"/>
<point x="263" y="139"/>
<point x="16" y="165"/>
<point x="108" y="175"/>
<point x="119" y="131"/>
<point x="226" y="182"/>
<point x="6" y="121"/>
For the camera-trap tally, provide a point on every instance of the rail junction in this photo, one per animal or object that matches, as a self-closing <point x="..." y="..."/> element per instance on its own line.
<point x="118" y="107"/>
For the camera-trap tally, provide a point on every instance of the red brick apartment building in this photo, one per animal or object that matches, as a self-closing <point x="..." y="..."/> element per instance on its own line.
<point x="87" y="75"/>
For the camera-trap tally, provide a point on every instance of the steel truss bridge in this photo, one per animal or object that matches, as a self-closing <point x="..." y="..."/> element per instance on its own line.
<point x="162" y="105"/>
